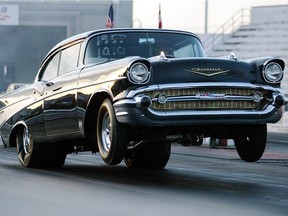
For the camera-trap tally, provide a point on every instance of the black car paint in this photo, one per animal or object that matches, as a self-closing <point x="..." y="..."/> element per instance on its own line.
<point x="65" y="108"/>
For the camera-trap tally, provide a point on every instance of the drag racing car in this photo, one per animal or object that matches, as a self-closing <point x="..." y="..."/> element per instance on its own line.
<point x="129" y="93"/>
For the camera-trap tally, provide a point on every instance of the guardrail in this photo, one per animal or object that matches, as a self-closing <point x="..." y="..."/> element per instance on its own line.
<point x="242" y="17"/>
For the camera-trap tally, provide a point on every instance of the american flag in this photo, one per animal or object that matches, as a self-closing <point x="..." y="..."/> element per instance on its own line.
<point x="159" y="18"/>
<point x="110" y="19"/>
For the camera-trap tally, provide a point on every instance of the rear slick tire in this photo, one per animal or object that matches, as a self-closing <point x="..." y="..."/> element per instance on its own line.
<point x="38" y="155"/>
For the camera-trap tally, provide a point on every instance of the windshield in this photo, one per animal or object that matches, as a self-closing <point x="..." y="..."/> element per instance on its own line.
<point x="109" y="47"/>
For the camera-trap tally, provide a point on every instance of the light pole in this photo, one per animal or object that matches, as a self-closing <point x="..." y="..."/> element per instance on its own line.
<point x="206" y="16"/>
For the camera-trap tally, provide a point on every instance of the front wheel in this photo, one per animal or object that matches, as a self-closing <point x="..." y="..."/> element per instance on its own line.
<point x="150" y="156"/>
<point x="251" y="142"/>
<point x="38" y="155"/>
<point x="111" y="136"/>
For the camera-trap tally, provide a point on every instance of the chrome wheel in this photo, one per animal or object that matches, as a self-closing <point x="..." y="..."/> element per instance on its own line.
<point x="26" y="140"/>
<point x="106" y="132"/>
<point x="25" y="146"/>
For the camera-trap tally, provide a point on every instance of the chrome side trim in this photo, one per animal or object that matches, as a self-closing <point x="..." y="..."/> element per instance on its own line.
<point x="121" y="113"/>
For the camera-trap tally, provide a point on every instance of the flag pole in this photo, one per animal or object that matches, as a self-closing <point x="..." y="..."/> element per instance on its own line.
<point x="110" y="17"/>
<point x="159" y="18"/>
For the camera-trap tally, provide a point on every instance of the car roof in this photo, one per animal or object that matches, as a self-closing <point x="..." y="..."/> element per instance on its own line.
<point x="87" y="34"/>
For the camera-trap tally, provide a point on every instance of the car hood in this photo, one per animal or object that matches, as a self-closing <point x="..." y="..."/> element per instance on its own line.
<point x="202" y="70"/>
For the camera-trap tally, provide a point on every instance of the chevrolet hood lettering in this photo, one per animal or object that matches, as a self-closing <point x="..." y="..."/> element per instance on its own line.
<point x="208" y="72"/>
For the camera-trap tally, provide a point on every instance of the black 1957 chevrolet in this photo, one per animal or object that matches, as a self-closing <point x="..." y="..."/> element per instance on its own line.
<point x="129" y="93"/>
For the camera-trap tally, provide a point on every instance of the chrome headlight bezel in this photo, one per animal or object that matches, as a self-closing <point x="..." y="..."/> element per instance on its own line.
<point x="272" y="72"/>
<point x="139" y="73"/>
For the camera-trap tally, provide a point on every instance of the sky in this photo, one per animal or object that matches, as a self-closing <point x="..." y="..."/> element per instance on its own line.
<point x="189" y="15"/>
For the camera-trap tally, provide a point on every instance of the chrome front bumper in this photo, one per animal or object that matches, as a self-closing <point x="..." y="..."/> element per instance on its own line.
<point x="204" y="103"/>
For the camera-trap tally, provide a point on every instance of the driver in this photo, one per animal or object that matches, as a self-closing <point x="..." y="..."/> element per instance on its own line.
<point x="162" y="46"/>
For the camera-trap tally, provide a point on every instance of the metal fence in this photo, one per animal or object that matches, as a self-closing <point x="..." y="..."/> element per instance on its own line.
<point x="242" y="17"/>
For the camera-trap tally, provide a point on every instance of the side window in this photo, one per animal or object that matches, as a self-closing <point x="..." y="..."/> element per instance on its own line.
<point x="190" y="50"/>
<point x="50" y="70"/>
<point x="69" y="59"/>
<point x="185" y="51"/>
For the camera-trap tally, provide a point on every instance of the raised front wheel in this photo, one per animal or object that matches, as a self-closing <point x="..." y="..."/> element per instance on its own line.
<point x="150" y="156"/>
<point x="111" y="135"/>
<point x="251" y="142"/>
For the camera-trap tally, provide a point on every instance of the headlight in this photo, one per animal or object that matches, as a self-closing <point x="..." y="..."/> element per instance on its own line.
<point x="138" y="73"/>
<point x="272" y="72"/>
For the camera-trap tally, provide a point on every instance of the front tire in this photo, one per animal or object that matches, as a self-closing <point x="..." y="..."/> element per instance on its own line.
<point x="38" y="155"/>
<point x="251" y="144"/>
<point x="150" y="156"/>
<point x="111" y="136"/>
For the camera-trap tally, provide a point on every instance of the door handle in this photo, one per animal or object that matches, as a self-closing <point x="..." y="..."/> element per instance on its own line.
<point x="57" y="89"/>
<point x="49" y="84"/>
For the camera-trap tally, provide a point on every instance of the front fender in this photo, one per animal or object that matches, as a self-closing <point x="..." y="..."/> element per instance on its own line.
<point x="262" y="62"/>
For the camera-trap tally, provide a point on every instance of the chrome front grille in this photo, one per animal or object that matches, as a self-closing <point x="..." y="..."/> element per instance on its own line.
<point x="209" y="99"/>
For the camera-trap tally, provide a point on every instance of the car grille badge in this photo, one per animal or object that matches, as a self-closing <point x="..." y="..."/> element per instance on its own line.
<point x="208" y="72"/>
